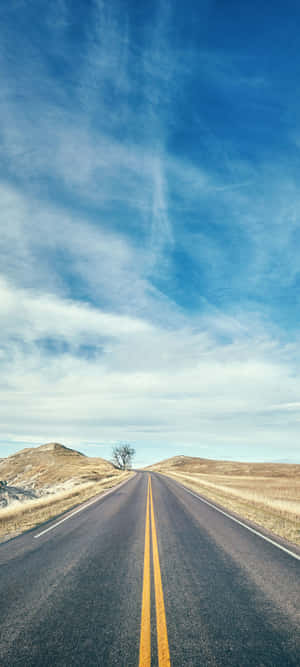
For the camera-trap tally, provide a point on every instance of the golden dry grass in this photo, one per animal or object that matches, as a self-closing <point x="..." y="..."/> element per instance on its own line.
<point x="17" y="518"/>
<point x="195" y="464"/>
<point x="266" y="493"/>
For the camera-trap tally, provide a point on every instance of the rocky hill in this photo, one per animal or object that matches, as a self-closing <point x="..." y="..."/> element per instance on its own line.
<point x="50" y="468"/>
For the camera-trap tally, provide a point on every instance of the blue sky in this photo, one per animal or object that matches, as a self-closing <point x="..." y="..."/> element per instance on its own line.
<point x="150" y="203"/>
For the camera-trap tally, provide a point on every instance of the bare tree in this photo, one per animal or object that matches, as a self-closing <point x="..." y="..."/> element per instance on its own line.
<point x="123" y="455"/>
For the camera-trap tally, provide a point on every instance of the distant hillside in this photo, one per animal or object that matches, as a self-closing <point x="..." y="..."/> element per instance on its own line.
<point x="52" y="466"/>
<point x="193" y="464"/>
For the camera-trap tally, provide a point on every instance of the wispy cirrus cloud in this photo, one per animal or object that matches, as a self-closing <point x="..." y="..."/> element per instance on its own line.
<point x="149" y="232"/>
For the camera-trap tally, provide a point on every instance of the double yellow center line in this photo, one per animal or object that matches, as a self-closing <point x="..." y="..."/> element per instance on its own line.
<point x="161" y="624"/>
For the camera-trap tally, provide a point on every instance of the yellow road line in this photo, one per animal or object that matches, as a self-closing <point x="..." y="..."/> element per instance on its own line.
<point x="161" y="624"/>
<point x="145" y="637"/>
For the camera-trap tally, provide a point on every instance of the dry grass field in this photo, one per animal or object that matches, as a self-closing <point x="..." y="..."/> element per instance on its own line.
<point x="266" y="493"/>
<point x="59" y="477"/>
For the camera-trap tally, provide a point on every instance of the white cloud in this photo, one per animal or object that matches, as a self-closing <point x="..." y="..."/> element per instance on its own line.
<point x="36" y="316"/>
<point x="146" y="382"/>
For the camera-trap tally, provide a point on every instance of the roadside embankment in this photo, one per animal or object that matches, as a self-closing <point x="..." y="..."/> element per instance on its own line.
<point x="17" y="518"/>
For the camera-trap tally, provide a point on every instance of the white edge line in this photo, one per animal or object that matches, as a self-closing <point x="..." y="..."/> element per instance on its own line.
<point x="95" y="500"/>
<point x="252" y="530"/>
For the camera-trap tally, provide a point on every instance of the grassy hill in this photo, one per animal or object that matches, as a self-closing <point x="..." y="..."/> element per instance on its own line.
<point x="52" y="467"/>
<point x="47" y="480"/>
<point x="203" y="466"/>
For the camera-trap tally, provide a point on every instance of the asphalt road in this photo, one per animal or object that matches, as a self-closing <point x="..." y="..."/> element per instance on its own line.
<point x="75" y="594"/>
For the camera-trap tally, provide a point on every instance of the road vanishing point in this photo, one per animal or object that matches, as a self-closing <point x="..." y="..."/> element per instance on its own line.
<point x="149" y="574"/>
